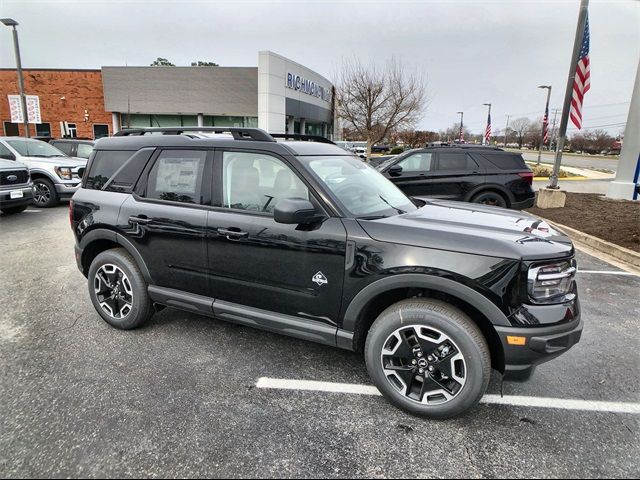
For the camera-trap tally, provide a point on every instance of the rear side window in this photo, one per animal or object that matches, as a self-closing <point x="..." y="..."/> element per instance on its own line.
<point x="84" y="150"/>
<point x="64" y="147"/>
<point x="176" y="176"/>
<point x="455" y="161"/>
<point x="104" y="164"/>
<point x="506" y="161"/>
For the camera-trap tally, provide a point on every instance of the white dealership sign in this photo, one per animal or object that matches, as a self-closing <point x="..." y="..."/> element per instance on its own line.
<point x="33" y="109"/>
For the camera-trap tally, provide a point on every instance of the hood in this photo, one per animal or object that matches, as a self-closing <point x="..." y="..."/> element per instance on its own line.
<point x="11" y="165"/>
<point x="57" y="161"/>
<point x="472" y="228"/>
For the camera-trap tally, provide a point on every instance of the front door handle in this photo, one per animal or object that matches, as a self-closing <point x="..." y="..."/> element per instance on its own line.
<point x="232" y="233"/>
<point x="142" y="220"/>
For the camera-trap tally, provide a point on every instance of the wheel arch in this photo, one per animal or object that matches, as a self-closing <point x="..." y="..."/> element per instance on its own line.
<point x="101" y="239"/>
<point x="376" y="297"/>
<point x="491" y="187"/>
<point x="38" y="173"/>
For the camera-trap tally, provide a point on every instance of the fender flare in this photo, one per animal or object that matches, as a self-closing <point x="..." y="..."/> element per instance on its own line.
<point x="415" y="280"/>
<point x="43" y="173"/>
<point x="121" y="240"/>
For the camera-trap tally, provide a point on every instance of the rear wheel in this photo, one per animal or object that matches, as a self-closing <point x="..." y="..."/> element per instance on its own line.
<point x="428" y="358"/>
<point x="14" y="210"/>
<point x="490" y="198"/>
<point x="118" y="290"/>
<point x="44" y="193"/>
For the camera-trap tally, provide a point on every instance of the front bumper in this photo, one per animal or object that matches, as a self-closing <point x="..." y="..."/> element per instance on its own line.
<point x="27" y="197"/>
<point x="66" y="190"/>
<point x="540" y="345"/>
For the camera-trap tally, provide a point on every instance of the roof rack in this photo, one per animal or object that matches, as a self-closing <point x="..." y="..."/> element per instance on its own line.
<point x="299" y="136"/>
<point x="462" y="145"/>
<point x="238" y="133"/>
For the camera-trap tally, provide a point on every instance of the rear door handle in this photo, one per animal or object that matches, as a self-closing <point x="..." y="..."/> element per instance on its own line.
<point x="142" y="220"/>
<point x="232" y="234"/>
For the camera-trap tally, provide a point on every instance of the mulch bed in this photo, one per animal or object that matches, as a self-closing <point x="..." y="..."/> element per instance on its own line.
<point x="616" y="221"/>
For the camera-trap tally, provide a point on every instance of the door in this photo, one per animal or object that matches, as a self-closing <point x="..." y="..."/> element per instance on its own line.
<point x="455" y="174"/>
<point x="256" y="262"/>
<point x="166" y="219"/>
<point x="415" y="179"/>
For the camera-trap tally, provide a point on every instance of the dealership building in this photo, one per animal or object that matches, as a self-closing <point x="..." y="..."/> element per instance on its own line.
<point x="279" y="96"/>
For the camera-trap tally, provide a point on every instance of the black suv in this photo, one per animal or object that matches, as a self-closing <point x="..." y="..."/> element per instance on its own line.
<point x="466" y="173"/>
<point x="300" y="238"/>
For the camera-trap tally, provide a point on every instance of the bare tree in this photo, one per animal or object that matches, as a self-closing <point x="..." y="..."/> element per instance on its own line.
<point x="520" y="126"/>
<point x="415" y="138"/>
<point x="376" y="101"/>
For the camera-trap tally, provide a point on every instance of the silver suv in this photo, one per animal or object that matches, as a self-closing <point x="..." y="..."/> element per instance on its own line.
<point x="55" y="176"/>
<point x="16" y="190"/>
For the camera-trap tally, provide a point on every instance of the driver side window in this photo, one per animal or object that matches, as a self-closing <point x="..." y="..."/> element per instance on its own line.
<point x="257" y="182"/>
<point x="418" y="162"/>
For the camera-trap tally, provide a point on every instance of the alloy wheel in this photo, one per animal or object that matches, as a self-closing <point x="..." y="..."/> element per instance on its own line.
<point x="424" y="364"/>
<point x="41" y="193"/>
<point x="113" y="291"/>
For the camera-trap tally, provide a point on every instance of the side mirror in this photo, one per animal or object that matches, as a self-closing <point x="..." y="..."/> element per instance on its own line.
<point x="395" y="171"/>
<point x="295" y="211"/>
<point x="8" y="156"/>
<point x="81" y="172"/>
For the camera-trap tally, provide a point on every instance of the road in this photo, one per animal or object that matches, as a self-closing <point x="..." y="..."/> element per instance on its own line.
<point x="579" y="161"/>
<point x="179" y="397"/>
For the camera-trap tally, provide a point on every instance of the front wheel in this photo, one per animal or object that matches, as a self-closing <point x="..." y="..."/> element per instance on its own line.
<point x="118" y="290"/>
<point x="14" y="210"/>
<point x="428" y="358"/>
<point x="44" y="193"/>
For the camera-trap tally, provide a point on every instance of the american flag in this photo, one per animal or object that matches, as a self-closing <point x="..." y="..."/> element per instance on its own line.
<point x="487" y="132"/>
<point x="545" y="127"/>
<point x="582" y="81"/>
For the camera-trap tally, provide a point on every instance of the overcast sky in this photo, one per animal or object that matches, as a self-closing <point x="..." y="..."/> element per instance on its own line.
<point x="472" y="52"/>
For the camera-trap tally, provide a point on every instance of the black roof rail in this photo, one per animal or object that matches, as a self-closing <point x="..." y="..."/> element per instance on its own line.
<point x="299" y="136"/>
<point x="462" y="145"/>
<point x="238" y="133"/>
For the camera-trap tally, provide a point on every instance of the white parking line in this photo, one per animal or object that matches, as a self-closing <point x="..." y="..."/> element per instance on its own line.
<point x="513" y="400"/>
<point x="606" y="272"/>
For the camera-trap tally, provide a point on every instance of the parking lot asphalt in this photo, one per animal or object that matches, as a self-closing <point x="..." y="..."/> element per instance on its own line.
<point x="178" y="397"/>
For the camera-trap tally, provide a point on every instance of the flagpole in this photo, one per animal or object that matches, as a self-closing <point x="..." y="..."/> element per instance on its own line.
<point x="568" y="94"/>
<point x="484" y="138"/>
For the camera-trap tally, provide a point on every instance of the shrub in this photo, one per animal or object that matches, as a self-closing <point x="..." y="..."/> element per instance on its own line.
<point x="396" y="151"/>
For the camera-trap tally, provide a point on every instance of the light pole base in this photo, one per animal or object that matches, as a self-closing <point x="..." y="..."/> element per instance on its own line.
<point x="551" y="198"/>
<point x="623" y="190"/>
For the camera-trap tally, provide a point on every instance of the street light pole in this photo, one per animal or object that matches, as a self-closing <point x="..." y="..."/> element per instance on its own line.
<point x="484" y="137"/>
<point x="506" y="129"/>
<point x="545" y="119"/>
<point x="460" y="137"/>
<point x="9" y="22"/>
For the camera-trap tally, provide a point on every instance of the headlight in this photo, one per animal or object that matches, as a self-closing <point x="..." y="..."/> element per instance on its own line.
<point x="554" y="280"/>
<point x="64" y="173"/>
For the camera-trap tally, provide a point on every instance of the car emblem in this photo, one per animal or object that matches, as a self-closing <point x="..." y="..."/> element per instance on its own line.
<point x="320" y="279"/>
<point x="12" y="178"/>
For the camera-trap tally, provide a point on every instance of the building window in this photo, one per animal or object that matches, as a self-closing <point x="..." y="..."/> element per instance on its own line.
<point x="11" y="129"/>
<point x="100" y="131"/>
<point x="68" y="130"/>
<point x="43" y="130"/>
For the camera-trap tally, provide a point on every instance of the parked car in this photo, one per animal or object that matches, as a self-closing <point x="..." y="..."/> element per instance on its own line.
<point x="55" y="176"/>
<point x="303" y="239"/>
<point x="74" y="147"/>
<point x="467" y="173"/>
<point x="16" y="189"/>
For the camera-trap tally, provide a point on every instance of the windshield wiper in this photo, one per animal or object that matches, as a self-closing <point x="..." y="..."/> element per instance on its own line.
<point x="399" y="210"/>
<point x="373" y="217"/>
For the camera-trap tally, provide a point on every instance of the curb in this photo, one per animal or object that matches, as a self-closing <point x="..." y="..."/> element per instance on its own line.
<point x="623" y="255"/>
<point x="576" y="177"/>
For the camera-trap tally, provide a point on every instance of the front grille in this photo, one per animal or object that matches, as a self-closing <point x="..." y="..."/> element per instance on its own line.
<point x="22" y="176"/>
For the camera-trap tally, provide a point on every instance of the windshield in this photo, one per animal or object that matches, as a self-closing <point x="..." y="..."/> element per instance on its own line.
<point x="363" y="191"/>
<point x="34" y="148"/>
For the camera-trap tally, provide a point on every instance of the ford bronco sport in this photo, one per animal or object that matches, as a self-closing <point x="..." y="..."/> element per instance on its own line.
<point x="300" y="238"/>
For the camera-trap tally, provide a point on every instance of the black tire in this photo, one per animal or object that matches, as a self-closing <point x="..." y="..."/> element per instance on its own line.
<point x="14" y="210"/>
<point x="491" y="198"/>
<point x="452" y="322"/>
<point x="141" y="308"/>
<point x="44" y="193"/>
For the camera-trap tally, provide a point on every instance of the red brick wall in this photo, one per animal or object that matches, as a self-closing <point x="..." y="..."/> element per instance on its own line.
<point x="82" y="90"/>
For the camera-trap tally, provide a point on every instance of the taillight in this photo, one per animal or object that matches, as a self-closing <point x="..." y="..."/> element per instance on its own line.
<point x="71" y="213"/>
<point x="528" y="176"/>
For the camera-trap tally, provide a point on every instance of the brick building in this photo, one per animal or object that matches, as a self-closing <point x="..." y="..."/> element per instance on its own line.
<point x="71" y="96"/>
